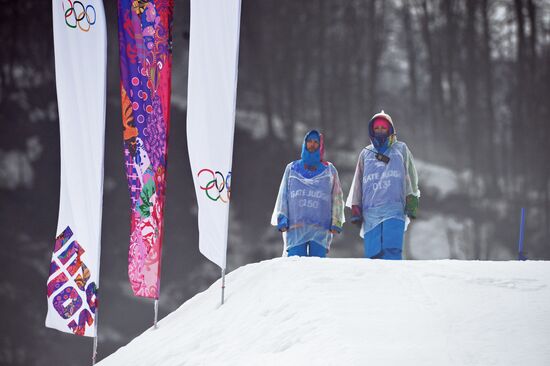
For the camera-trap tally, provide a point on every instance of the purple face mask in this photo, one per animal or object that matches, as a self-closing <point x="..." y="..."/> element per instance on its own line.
<point x="379" y="140"/>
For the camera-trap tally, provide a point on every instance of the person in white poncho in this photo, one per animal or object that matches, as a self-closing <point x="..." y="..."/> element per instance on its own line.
<point x="384" y="192"/>
<point x="310" y="207"/>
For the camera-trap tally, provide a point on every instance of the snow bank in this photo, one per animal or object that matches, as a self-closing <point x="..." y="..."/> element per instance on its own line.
<point x="312" y="311"/>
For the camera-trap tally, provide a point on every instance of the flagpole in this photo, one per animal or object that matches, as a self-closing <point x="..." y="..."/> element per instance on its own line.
<point x="223" y="284"/>
<point x="156" y="313"/>
<point x="94" y="352"/>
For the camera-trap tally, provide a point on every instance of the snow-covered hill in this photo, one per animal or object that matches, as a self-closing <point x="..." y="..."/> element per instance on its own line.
<point x="312" y="311"/>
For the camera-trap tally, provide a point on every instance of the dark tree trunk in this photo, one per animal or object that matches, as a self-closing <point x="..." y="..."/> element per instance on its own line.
<point x="487" y="66"/>
<point x="452" y="104"/>
<point x="411" y="57"/>
<point x="520" y="109"/>
<point x="322" y="64"/>
<point x="470" y="76"/>
<point x="361" y="52"/>
<point x="434" y="70"/>
<point x="375" y="33"/>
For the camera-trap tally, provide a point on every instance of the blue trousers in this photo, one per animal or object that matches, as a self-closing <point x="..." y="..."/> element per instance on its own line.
<point x="385" y="241"/>
<point x="315" y="250"/>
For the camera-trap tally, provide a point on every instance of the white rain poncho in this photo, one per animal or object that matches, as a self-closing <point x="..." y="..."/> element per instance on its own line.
<point x="380" y="189"/>
<point x="311" y="205"/>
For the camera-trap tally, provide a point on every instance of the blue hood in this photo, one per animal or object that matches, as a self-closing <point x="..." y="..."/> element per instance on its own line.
<point x="312" y="159"/>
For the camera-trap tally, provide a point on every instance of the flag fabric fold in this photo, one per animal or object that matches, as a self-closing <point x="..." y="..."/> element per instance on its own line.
<point x="80" y="46"/>
<point x="145" y="47"/>
<point x="212" y="90"/>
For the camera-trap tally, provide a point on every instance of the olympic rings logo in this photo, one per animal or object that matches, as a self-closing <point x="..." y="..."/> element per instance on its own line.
<point x="218" y="183"/>
<point x="78" y="14"/>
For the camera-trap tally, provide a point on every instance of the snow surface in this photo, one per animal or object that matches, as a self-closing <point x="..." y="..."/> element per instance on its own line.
<point x="313" y="311"/>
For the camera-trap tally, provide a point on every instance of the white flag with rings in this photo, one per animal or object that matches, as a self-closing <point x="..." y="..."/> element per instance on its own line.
<point x="212" y="90"/>
<point x="80" y="45"/>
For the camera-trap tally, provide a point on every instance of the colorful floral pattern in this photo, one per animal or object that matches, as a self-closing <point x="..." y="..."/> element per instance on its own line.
<point x="68" y="289"/>
<point x="145" y="65"/>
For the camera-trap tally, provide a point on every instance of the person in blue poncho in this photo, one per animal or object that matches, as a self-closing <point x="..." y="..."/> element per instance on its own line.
<point x="384" y="192"/>
<point x="310" y="207"/>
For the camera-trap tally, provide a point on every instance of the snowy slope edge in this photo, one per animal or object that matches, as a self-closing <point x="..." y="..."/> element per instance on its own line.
<point x="313" y="311"/>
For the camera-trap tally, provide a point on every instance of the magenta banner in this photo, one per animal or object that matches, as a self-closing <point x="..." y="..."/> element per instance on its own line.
<point x="145" y="39"/>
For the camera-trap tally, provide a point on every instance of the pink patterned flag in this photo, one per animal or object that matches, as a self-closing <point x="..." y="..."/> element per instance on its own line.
<point x="145" y="42"/>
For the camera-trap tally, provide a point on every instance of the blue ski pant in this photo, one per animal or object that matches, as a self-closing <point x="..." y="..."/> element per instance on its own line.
<point x="385" y="241"/>
<point x="309" y="249"/>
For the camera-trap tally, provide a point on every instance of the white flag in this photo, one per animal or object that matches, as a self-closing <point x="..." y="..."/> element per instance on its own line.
<point x="212" y="90"/>
<point x="80" y="69"/>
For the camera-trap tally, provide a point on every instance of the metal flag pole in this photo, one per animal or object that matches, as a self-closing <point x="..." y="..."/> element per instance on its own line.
<point x="94" y="355"/>
<point x="156" y="313"/>
<point x="223" y="284"/>
<point x="94" y="352"/>
<point x="521" y="254"/>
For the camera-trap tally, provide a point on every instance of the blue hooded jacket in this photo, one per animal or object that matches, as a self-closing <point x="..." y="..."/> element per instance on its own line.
<point x="304" y="167"/>
<point x="311" y="163"/>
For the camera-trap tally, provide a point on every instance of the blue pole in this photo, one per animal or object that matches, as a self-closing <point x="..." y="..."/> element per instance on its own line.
<point x="521" y="254"/>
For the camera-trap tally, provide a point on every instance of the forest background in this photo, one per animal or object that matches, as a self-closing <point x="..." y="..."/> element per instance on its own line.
<point x="466" y="82"/>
